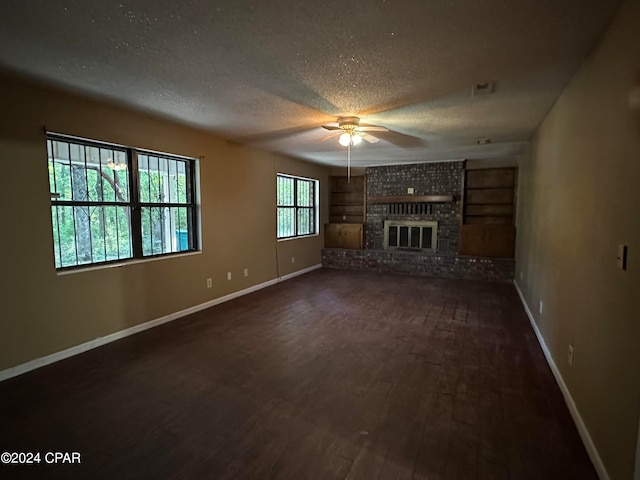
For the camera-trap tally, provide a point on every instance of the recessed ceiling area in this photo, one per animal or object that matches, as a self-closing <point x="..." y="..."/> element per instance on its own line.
<point x="270" y="74"/>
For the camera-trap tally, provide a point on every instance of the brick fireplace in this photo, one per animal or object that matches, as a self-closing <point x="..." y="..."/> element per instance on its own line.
<point x="428" y="194"/>
<point x="441" y="179"/>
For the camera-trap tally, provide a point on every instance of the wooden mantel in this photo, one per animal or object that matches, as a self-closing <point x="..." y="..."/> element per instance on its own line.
<point x="411" y="199"/>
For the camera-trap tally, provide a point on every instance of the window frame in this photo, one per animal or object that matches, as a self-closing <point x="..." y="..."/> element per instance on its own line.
<point x="133" y="203"/>
<point x="191" y="192"/>
<point x="314" y="208"/>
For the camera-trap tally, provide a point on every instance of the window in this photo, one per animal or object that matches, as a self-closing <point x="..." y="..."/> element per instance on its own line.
<point x="297" y="206"/>
<point x="112" y="203"/>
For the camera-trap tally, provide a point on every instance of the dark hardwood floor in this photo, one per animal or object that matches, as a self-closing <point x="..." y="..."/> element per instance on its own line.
<point x="331" y="375"/>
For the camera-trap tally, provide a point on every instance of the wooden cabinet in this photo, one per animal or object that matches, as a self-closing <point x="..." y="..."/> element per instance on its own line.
<point x="488" y="240"/>
<point x="489" y="204"/>
<point x="343" y="235"/>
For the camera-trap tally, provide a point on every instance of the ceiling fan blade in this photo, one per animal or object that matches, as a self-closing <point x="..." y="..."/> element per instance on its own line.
<point x="273" y="135"/>
<point x="369" y="138"/>
<point x="401" y="140"/>
<point x="330" y="127"/>
<point x="327" y="137"/>
<point x="372" y="128"/>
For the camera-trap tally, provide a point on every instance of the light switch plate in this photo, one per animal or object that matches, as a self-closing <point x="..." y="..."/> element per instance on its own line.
<point x="570" y="355"/>
<point x="622" y="256"/>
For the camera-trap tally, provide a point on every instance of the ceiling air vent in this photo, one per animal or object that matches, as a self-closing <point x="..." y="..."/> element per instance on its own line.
<point x="486" y="88"/>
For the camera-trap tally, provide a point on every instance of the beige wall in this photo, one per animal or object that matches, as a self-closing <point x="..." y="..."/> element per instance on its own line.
<point x="42" y="312"/>
<point x="579" y="197"/>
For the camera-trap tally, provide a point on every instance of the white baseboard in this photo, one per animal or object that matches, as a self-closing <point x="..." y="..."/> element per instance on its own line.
<point x="582" y="428"/>
<point x="300" y="272"/>
<point x="98" y="342"/>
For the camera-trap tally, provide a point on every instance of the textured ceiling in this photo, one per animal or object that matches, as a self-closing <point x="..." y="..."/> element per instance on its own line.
<point x="270" y="73"/>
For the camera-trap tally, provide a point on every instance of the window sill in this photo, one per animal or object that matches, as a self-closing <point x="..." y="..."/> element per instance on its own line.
<point x="298" y="238"/>
<point x="125" y="263"/>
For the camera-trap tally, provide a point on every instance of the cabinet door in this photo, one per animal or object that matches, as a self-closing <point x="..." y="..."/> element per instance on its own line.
<point x="343" y="235"/>
<point x="488" y="240"/>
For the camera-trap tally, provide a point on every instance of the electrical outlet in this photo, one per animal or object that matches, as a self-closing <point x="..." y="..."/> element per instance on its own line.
<point x="246" y="272"/>
<point x="570" y="355"/>
<point x="410" y="190"/>
<point x="293" y="259"/>
<point x="228" y="275"/>
<point x="209" y="283"/>
<point x="541" y="305"/>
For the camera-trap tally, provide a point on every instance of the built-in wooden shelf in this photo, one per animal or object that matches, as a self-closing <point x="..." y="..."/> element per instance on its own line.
<point x="489" y="205"/>
<point x="411" y="199"/>
<point x="346" y="201"/>
<point x="490" y="196"/>
<point x="346" y="213"/>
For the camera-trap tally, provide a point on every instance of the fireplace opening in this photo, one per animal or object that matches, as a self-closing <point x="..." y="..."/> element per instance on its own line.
<point x="410" y="235"/>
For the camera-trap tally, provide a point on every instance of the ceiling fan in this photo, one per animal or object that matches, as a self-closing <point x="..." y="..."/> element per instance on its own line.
<point x="351" y="132"/>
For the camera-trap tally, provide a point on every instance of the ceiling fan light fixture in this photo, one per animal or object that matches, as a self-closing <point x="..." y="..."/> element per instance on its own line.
<point x="356" y="139"/>
<point x="345" y="139"/>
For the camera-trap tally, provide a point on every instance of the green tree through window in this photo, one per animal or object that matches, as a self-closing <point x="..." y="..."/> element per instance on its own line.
<point x="297" y="209"/>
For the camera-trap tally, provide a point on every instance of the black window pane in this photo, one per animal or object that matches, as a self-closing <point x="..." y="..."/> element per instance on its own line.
<point x="404" y="237"/>
<point x="415" y="237"/>
<point x="393" y="236"/>
<point x="427" y="232"/>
